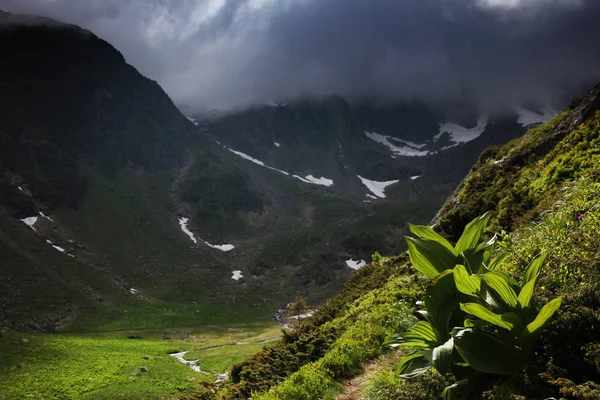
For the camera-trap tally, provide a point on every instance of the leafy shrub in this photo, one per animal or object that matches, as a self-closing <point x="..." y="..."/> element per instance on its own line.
<point x="476" y="319"/>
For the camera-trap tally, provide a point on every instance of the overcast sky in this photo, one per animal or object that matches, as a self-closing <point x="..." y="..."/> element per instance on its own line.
<point x="231" y="53"/>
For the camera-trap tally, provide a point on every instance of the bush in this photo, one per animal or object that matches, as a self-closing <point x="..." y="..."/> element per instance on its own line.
<point x="476" y="320"/>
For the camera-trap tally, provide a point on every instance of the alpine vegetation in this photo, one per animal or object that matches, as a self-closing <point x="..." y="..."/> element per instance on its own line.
<point x="476" y="320"/>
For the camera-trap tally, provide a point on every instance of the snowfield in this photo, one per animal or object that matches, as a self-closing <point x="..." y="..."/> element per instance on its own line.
<point x="408" y="149"/>
<point x="460" y="134"/>
<point x="377" y="188"/>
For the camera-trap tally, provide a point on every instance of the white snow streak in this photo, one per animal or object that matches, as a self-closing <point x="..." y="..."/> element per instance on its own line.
<point x="377" y="188"/>
<point x="356" y="265"/>
<point x="528" y="118"/>
<point x="371" y="196"/>
<point x="460" y="134"/>
<point x="192" y="120"/>
<point x="222" y="247"/>
<point x="45" y="216"/>
<point x="319" y="181"/>
<point x="237" y="275"/>
<point x="255" y="161"/>
<point x="132" y="291"/>
<point x="408" y="149"/>
<point x="276" y="144"/>
<point x="415" y="177"/>
<point x="30" y="222"/>
<point x="183" y="221"/>
<point x="308" y="179"/>
<point x="55" y="246"/>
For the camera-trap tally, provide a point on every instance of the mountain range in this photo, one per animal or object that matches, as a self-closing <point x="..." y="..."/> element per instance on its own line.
<point x="114" y="206"/>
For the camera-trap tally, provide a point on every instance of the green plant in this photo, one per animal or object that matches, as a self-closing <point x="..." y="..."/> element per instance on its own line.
<point x="376" y="257"/>
<point x="476" y="320"/>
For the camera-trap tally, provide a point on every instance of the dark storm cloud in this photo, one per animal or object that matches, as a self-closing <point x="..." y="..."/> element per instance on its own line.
<point x="230" y="53"/>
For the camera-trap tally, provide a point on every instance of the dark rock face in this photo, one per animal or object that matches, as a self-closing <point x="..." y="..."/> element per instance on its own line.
<point x="67" y="97"/>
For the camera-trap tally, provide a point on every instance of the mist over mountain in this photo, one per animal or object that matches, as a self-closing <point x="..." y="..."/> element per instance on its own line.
<point x="216" y="54"/>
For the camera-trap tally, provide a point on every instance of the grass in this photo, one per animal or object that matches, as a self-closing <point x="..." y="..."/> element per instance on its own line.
<point x="107" y="365"/>
<point x="220" y="359"/>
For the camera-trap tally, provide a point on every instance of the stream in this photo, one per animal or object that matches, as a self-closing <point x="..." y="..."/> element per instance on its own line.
<point x="194" y="365"/>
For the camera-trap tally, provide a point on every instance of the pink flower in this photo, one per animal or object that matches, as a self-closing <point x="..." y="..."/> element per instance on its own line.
<point x="580" y="217"/>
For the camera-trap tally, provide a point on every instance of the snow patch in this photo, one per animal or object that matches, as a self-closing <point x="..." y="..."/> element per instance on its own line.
<point x="193" y="120"/>
<point x="408" y="149"/>
<point x="183" y="223"/>
<point x="45" y="216"/>
<point x="30" y="222"/>
<point x="356" y="265"/>
<point x="255" y="161"/>
<point x="276" y="144"/>
<point x="319" y="181"/>
<point x="55" y="246"/>
<point x="377" y="188"/>
<point x="133" y="291"/>
<point x="237" y="275"/>
<point x="528" y="118"/>
<point x="308" y="179"/>
<point x="371" y="196"/>
<point x="415" y="177"/>
<point x="20" y="188"/>
<point x="222" y="247"/>
<point x="460" y="134"/>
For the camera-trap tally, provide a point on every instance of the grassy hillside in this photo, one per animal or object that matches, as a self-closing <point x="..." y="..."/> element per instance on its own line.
<point x="543" y="191"/>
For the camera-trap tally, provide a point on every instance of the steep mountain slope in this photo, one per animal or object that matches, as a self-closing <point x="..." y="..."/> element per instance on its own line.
<point x="93" y="146"/>
<point x="543" y="189"/>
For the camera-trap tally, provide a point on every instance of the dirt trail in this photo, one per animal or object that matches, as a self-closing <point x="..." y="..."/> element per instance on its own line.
<point x="353" y="388"/>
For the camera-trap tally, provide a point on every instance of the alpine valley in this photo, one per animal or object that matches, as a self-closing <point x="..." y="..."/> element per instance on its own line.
<point x="121" y="213"/>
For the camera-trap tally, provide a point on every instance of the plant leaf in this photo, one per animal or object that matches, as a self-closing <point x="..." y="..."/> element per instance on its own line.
<point x="472" y="233"/>
<point x="534" y="330"/>
<point x="533" y="270"/>
<point x="447" y="394"/>
<point x="442" y="356"/>
<point x="423" y="331"/>
<point x="441" y="301"/>
<point x="526" y="294"/>
<point x="425" y="232"/>
<point x="465" y="283"/>
<point x="413" y="365"/>
<point x="505" y="321"/>
<point x="485" y="246"/>
<point x="498" y="282"/>
<point x="497" y="261"/>
<point x="487" y="353"/>
<point x="429" y="257"/>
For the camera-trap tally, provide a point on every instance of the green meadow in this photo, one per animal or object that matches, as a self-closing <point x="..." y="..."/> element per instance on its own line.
<point x="125" y="364"/>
